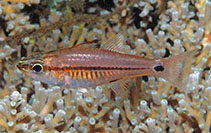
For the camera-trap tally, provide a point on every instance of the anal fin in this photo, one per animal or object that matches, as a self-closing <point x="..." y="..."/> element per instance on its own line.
<point x="81" y="90"/>
<point x="120" y="87"/>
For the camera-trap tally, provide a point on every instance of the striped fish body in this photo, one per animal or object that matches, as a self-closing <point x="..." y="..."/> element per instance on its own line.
<point x="88" y="67"/>
<point x="81" y="67"/>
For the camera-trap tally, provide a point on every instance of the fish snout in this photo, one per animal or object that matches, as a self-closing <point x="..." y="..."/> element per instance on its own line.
<point x="22" y="65"/>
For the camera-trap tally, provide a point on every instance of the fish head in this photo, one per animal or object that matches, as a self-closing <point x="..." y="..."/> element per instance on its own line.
<point x="33" y="67"/>
<point x="36" y="68"/>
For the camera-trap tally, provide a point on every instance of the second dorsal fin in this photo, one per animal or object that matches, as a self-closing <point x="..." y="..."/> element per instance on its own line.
<point x="115" y="43"/>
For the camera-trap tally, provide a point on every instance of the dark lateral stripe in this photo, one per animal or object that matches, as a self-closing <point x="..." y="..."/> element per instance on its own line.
<point x="91" y="68"/>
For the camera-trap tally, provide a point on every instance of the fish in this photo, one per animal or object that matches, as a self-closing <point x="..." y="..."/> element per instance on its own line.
<point x="84" y="67"/>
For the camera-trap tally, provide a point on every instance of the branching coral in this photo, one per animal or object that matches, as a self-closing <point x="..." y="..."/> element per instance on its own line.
<point x="16" y="21"/>
<point x="153" y="29"/>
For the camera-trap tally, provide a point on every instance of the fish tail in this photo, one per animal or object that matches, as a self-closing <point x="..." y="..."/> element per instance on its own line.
<point x="177" y="68"/>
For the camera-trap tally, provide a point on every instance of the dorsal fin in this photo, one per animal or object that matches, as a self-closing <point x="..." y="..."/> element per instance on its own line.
<point x="115" y="43"/>
<point x="87" y="44"/>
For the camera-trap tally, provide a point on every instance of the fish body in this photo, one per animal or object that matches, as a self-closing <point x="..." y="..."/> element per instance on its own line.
<point x="80" y="67"/>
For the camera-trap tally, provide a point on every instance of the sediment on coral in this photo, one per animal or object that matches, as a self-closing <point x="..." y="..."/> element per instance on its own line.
<point x="153" y="29"/>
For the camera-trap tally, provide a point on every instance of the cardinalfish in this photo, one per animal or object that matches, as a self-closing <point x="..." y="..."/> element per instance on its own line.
<point x="83" y="67"/>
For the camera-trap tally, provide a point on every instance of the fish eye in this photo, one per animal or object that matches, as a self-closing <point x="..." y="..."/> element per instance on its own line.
<point x="37" y="67"/>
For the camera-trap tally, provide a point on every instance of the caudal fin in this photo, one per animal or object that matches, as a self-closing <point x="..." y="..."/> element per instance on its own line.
<point x="177" y="68"/>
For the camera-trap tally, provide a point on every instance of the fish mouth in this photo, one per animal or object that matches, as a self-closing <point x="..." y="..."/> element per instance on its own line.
<point x="19" y="66"/>
<point x="22" y="67"/>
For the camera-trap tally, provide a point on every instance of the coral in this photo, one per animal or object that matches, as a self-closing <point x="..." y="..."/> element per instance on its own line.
<point x="153" y="29"/>
<point x="16" y="21"/>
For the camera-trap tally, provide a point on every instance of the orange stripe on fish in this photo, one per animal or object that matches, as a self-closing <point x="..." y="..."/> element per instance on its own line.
<point x="76" y="75"/>
<point x="106" y="75"/>
<point x="91" y="75"/>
